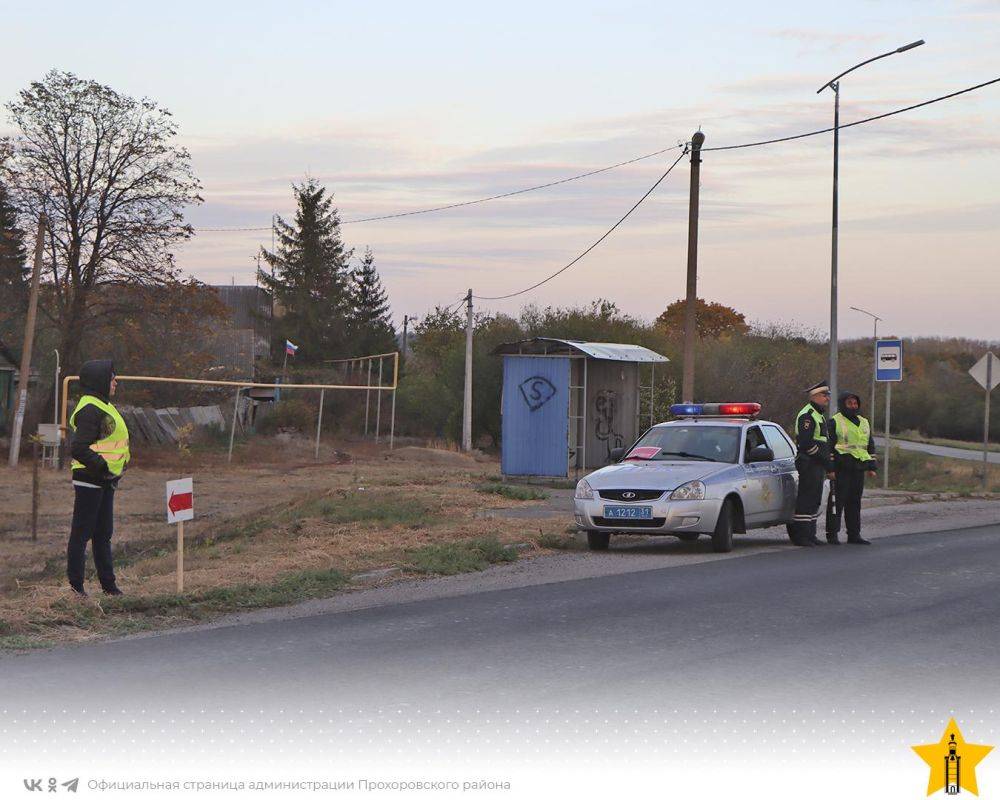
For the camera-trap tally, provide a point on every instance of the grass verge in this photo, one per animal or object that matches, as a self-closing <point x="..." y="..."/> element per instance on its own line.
<point x="919" y="472"/>
<point x="451" y="558"/>
<point x="961" y="444"/>
<point x="560" y="541"/>
<point x="512" y="492"/>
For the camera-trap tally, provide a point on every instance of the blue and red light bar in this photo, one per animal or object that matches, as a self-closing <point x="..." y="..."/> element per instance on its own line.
<point x="715" y="409"/>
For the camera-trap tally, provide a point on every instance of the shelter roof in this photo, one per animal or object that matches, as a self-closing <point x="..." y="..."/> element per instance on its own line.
<point x="603" y="351"/>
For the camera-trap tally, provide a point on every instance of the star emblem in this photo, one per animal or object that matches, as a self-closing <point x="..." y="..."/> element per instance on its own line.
<point x="937" y="756"/>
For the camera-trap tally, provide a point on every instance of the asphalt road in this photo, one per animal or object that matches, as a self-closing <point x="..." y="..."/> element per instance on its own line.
<point x="939" y="450"/>
<point x="888" y="624"/>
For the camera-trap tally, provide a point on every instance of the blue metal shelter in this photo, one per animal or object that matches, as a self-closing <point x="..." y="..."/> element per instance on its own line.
<point x="566" y="403"/>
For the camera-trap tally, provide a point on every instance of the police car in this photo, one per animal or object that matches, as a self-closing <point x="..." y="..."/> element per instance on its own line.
<point x="715" y="471"/>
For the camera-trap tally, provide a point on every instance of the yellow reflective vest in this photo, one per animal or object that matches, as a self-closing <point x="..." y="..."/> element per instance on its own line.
<point x="853" y="439"/>
<point x="819" y="429"/>
<point x="113" y="448"/>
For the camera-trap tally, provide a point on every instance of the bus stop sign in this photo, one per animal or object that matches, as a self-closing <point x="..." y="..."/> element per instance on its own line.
<point x="889" y="360"/>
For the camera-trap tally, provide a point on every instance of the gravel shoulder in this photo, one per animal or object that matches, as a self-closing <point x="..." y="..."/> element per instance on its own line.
<point x="627" y="554"/>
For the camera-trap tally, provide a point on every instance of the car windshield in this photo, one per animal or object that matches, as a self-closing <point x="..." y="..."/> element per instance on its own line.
<point x="688" y="443"/>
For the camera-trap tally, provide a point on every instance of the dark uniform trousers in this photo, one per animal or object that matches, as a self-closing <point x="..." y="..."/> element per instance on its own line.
<point x="93" y="519"/>
<point x="850" y="487"/>
<point x="809" y="497"/>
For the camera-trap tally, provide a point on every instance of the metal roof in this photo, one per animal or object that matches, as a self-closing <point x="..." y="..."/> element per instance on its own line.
<point x="603" y="351"/>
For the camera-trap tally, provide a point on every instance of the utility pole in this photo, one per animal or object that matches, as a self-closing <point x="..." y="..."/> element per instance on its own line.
<point x="467" y="405"/>
<point x="834" y="85"/>
<point x="29" y="340"/>
<point x="834" y="337"/>
<point x="876" y="319"/>
<point x="986" y="422"/>
<point x="406" y="321"/>
<point x="690" y="306"/>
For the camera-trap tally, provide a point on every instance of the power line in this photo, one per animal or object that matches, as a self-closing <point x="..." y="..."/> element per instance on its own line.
<point x="515" y="192"/>
<point x="595" y="244"/>
<point x="464" y="203"/>
<point x="856" y="122"/>
<point x="633" y="161"/>
<point x="229" y="230"/>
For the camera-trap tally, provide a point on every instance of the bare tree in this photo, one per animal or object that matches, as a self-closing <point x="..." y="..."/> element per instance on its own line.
<point x="105" y="170"/>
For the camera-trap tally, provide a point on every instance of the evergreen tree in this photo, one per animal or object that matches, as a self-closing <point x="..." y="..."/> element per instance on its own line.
<point x="13" y="266"/>
<point x="14" y="276"/>
<point x="371" y="320"/>
<point x="311" y="283"/>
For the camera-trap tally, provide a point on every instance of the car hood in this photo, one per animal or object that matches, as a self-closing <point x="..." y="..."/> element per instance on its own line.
<point x="666" y="475"/>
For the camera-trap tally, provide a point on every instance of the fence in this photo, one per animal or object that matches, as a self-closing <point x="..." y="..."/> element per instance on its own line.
<point x="241" y="386"/>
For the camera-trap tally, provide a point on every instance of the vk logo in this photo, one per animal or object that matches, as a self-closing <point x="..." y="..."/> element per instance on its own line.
<point x="537" y="391"/>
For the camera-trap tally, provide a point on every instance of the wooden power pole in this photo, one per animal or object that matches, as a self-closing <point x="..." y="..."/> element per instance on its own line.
<point x="29" y="340"/>
<point x="690" y="306"/>
<point x="467" y="399"/>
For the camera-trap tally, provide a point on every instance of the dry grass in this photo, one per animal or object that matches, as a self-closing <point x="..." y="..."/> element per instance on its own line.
<point x="278" y="532"/>
<point x="913" y="471"/>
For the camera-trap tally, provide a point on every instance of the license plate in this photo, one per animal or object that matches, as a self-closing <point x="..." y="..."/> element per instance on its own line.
<point x="628" y="512"/>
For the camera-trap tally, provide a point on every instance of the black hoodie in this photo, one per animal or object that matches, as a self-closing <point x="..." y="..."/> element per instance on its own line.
<point x="844" y="460"/>
<point x="92" y="424"/>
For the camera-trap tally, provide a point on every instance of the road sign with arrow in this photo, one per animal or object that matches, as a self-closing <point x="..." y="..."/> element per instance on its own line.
<point x="180" y="500"/>
<point x="180" y="508"/>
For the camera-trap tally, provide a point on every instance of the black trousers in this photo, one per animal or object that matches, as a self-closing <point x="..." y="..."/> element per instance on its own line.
<point x="809" y="497"/>
<point x="850" y="487"/>
<point x="93" y="520"/>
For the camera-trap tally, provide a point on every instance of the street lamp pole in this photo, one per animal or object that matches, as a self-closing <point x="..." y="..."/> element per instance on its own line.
<point x="877" y="320"/>
<point x="834" y="84"/>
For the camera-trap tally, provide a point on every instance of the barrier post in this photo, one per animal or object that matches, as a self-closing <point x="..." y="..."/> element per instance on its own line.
<point x="319" y="421"/>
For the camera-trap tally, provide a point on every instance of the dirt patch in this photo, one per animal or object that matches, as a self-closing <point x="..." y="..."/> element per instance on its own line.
<point x="429" y="455"/>
<point x="265" y="534"/>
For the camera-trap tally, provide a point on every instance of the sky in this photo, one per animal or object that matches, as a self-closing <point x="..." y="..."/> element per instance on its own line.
<point x="399" y="106"/>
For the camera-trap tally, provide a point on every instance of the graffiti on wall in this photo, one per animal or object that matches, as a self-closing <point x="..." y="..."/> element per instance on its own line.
<point x="536" y="391"/>
<point x="606" y="412"/>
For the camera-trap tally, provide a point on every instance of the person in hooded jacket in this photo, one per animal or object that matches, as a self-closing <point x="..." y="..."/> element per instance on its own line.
<point x="853" y="448"/>
<point x="100" y="452"/>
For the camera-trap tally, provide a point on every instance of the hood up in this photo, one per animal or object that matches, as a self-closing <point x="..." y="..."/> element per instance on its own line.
<point x="842" y="406"/>
<point x="95" y="378"/>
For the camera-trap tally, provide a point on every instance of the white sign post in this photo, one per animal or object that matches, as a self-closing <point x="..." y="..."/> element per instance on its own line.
<point x="180" y="508"/>
<point x="986" y="371"/>
<point x="888" y="370"/>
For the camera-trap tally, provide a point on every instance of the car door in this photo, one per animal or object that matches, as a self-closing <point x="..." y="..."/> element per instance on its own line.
<point x="784" y="464"/>
<point x="763" y="496"/>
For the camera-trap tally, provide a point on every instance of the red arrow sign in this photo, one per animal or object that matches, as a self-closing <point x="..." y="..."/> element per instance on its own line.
<point x="180" y="502"/>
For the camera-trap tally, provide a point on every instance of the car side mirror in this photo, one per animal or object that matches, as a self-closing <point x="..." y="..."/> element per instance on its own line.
<point x="617" y="454"/>
<point x="760" y="453"/>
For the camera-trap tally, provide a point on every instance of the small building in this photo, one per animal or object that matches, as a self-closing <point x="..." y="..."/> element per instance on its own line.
<point x="567" y="404"/>
<point x="246" y="337"/>
<point x="8" y="381"/>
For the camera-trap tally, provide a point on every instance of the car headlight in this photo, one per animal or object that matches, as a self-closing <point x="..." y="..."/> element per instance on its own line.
<point x="583" y="491"/>
<point x="693" y="490"/>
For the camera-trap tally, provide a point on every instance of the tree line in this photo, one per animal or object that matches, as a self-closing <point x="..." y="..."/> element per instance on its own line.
<point x="736" y="360"/>
<point x="113" y="184"/>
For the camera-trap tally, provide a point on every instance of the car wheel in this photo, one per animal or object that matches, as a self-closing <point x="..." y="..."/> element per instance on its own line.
<point x="687" y="537"/>
<point x="722" y="536"/>
<point x="598" y="540"/>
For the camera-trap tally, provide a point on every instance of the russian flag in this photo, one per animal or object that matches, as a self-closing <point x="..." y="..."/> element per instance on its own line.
<point x="290" y="348"/>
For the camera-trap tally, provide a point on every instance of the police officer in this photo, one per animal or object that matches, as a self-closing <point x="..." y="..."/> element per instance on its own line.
<point x="100" y="454"/>
<point x="813" y="463"/>
<point x="854" y="453"/>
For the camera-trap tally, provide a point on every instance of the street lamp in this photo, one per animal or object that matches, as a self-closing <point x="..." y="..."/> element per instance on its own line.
<point x="834" y="84"/>
<point x="874" y="360"/>
<point x="407" y="319"/>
